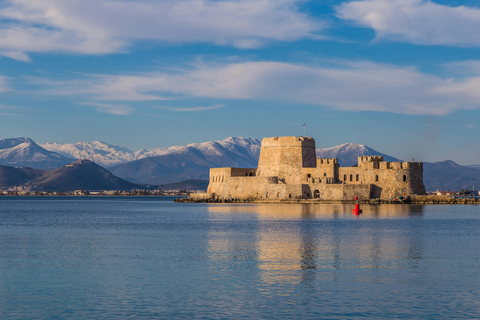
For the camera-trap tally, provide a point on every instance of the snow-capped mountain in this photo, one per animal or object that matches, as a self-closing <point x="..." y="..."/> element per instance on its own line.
<point x="191" y="161"/>
<point x="243" y="150"/>
<point x="24" y="152"/>
<point x="348" y="153"/>
<point x="104" y="154"/>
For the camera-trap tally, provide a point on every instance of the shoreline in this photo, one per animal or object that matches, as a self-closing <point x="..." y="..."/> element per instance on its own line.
<point x="414" y="199"/>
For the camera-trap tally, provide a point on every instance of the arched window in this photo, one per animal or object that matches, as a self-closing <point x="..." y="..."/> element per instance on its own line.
<point x="356" y="177"/>
<point x="376" y="178"/>
<point x="404" y="178"/>
<point x="351" y="177"/>
<point x="344" y="177"/>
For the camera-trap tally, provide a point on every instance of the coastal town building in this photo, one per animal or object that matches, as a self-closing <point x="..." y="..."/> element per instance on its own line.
<point x="288" y="169"/>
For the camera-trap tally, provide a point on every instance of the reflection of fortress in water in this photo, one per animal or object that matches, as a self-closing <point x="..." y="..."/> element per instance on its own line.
<point x="291" y="242"/>
<point x="288" y="169"/>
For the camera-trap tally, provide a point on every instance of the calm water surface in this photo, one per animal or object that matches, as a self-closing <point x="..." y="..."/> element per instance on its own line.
<point x="147" y="257"/>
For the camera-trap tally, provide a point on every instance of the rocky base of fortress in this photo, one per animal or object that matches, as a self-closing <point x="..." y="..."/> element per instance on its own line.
<point x="414" y="199"/>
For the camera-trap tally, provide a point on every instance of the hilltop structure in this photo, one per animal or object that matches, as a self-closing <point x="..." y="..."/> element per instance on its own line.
<point x="288" y="169"/>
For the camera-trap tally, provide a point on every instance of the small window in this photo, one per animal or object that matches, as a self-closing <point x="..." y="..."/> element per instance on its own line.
<point x="356" y="177"/>
<point x="309" y="175"/>
<point x="246" y="174"/>
<point x="344" y="177"/>
<point x="324" y="174"/>
<point x="376" y="178"/>
<point x="266" y="196"/>
<point x="278" y="195"/>
<point x="351" y="177"/>
<point x="404" y="178"/>
<point x="290" y="196"/>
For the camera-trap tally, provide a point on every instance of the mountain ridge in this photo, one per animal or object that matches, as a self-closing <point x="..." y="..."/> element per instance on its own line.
<point x="162" y="166"/>
<point x="109" y="155"/>
<point x="24" y="152"/>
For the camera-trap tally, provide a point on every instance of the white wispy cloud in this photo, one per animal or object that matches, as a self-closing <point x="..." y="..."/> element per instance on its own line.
<point x="3" y="84"/>
<point x="106" y="26"/>
<point x="5" y="111"/>
<point x="416" y="21"/>
<point x="119" y="109"/>
<point x="353" y="86"/>
<point x="197" y="109"/>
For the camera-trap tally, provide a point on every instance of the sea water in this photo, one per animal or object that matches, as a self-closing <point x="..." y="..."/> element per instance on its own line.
<point x="151" y="258"/>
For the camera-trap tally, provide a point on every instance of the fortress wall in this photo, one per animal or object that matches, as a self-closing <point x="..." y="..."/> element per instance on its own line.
<point x="388" y="183"/>
<point x="362" y="191"/>
<point x="338" y="191"/>
<point x="351" y="175"/>
<point x="217" y="177"/>
<point x="255" y="188"/>
<point x="285" y="157"/>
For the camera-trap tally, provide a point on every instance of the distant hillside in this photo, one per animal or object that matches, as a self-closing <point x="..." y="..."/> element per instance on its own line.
<point x="11" y="176"/>
<point x="24" y="152"/>
<point x="448" y="175"/>
<point x="79" y="175"/>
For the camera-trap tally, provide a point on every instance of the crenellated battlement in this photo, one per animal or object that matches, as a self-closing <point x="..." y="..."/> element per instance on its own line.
<point x="321" y="161"/>
<point x="369" y="158"/>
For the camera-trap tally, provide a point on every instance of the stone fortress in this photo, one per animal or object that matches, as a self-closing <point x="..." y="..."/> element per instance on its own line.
<point x="288" y="169"/>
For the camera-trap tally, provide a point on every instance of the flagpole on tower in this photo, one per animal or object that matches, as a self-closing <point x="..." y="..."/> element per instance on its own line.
<point x="305" y="129"/>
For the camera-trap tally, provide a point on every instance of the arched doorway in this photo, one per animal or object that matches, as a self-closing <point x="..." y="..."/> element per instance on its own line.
<point x="316" y="194"/>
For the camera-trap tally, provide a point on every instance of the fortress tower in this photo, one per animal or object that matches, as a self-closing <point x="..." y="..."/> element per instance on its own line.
<point x="285" y="157"/>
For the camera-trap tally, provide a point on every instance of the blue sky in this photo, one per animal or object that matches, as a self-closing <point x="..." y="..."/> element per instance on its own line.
<point x="400" y="76"/>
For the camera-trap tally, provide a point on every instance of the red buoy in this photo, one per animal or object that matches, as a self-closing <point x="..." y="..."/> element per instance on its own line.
<point x="357" y="209"/>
